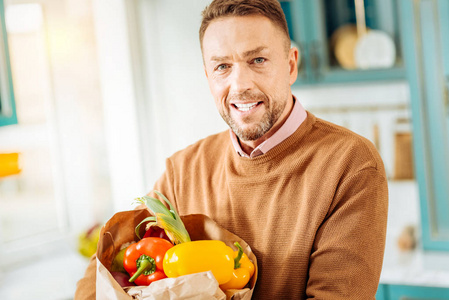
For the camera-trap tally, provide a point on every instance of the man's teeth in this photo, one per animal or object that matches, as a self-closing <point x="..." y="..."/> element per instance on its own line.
<point x="246" y="106"/>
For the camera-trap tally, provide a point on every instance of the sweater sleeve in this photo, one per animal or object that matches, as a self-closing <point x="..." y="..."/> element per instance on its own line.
<point x="347" y="254"/>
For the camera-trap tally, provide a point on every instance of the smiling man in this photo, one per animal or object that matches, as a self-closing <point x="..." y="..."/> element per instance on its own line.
<point x="250" y="67"/>
<point x="309" y="197"/>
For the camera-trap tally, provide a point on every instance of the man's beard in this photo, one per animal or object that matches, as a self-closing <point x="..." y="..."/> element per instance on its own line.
<point x="255" y="131"/>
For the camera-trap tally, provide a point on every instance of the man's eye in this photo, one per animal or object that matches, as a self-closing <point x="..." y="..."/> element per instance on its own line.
<point x="259" y="60"/>
<point x="221" y="67"/>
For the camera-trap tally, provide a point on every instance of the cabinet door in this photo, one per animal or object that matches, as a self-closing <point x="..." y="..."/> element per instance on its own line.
<point x="328" y="39"/>
<point x="380" y="294"/>
<point x="7" y="105"/>
<point x="426" y="39"/>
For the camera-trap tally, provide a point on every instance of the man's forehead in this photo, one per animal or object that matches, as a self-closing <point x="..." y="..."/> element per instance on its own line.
<point x="242" y="36"/>
<point x="239" y="23"/>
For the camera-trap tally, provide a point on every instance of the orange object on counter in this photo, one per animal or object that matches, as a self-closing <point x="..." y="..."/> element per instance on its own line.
<point x="9" y="164"/>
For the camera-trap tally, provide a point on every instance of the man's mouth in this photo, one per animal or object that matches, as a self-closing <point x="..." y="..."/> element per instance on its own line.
<point x="246" y="106"/>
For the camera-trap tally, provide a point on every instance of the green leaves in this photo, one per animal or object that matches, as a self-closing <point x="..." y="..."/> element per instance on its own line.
<point x="168" y="219"/>
<point x="137" y="229"/>
<point x="174" y="228"/>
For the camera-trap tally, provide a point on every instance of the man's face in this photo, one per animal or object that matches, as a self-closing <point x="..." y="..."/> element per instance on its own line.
<point x="250" y="71"/>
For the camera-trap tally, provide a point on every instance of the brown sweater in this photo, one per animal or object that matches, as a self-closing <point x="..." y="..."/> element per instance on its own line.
<point x="313" y="209"/>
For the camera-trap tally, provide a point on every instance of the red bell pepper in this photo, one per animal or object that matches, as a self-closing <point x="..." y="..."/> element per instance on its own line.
<point x="144" y="260"/>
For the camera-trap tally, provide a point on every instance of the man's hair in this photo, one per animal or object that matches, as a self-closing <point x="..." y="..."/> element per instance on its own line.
<point x="237" y="8"/>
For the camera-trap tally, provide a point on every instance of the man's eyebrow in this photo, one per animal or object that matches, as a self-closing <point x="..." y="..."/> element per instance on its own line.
<point x="255" y="51"/>
<point x="219" y="58"/>
<point x="245" y="54"/>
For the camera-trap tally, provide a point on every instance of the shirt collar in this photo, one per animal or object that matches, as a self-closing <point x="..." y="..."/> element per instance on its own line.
<point x="294" y="120"/>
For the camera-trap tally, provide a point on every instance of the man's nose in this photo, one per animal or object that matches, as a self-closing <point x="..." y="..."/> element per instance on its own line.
<point x="241" y="79"/>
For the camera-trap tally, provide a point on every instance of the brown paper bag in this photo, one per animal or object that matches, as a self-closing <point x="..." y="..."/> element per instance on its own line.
<point x="120" y="229"/>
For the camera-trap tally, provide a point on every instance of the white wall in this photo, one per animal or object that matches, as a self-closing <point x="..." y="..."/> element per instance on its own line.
<point x="120" y="102"/>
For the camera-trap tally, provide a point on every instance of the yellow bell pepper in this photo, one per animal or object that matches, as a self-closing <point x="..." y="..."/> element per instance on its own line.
<point x="200" y="256"/>
<point x="243" y="270"/>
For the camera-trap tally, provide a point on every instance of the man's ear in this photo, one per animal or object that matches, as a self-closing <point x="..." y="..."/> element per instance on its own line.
<point x="293" y="55"/>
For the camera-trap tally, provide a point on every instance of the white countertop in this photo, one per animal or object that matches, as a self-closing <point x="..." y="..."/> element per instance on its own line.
<point x="415" y="267"/>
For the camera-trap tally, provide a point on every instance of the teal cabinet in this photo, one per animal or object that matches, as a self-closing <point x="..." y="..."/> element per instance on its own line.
<point x="7" y="105"/>
<point x="381" y="292"/>
<point x="406" y="292"/>
<point x="323" y="29"/>
<point x="425" y="27"/>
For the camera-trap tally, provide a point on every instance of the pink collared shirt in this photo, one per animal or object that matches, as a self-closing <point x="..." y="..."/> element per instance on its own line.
<point x="294" y="120"/>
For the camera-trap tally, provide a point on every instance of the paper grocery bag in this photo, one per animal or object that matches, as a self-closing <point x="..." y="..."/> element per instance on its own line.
<point x="120" y="229"/>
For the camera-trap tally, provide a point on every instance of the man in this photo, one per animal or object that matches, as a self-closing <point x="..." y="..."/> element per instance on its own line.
<point x="309" y="197"/>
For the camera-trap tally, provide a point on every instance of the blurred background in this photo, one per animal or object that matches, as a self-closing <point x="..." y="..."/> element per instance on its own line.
<point x="95" y="94"/>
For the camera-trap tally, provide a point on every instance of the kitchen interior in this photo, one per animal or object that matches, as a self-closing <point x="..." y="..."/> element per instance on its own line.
<point x="95" y="94"/>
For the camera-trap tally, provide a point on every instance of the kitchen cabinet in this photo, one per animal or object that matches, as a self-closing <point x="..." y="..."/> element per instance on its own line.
<point x="7" y="105"/>
<point x="405" y="292"/>
<point x="425" y="28"/>
<point x="319" y="28"/>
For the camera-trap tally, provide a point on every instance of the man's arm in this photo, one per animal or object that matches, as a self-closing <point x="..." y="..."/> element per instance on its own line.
<point x="347" y="254"/>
